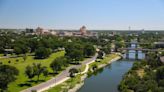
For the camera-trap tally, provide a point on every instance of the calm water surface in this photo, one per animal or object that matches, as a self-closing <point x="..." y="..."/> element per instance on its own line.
<point x="108" y="78"/>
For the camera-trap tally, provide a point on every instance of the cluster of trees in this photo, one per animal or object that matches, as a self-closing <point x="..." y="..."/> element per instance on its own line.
<point x="76" y="49"/>
<point x="42" y="52"/>
<point x="36" y="70"/>
<point x="8" y="74"/>
<point x="149" y="43"/>
<point x="43" y="45"/>
<point x="57" y="64"/>
<point x="76" y="52"/>
<point x="152" y="80"/>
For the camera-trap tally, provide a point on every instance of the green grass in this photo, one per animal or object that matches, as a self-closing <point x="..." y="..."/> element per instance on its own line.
<point x="82" y="68"/>
<point x="1" y="55"/>
<point x="105" y="60"/>
<point x="65" y="86"/>
<point x="21" y="65"/>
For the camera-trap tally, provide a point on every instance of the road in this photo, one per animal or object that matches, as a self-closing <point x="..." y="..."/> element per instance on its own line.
<point x="63" y="76"/>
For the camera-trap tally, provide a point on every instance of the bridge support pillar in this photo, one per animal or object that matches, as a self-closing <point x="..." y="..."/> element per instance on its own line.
<point x="136" y="54"/>
<point x="146" y="55"/>
<point x="136" y="45"/>
<point x="127" y="54"/>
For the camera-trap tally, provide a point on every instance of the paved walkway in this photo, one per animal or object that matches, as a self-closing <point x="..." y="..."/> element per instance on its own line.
<point x="63" y="76"/>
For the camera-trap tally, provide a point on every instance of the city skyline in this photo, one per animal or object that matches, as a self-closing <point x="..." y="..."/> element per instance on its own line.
<point x="94" y="14"/>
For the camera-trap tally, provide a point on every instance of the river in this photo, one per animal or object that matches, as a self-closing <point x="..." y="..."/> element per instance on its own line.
<point x="108" y="78"/>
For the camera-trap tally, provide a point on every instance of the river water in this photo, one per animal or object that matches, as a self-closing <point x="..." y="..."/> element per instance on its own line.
<point x="108" y="78"/>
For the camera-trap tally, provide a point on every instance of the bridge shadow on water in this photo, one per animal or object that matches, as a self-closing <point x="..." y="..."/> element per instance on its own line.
<point x="129" y="60"/>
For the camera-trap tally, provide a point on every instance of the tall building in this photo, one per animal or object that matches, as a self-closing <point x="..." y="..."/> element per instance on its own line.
<point x="39" y="30"/>
<point x="83" y="30"/>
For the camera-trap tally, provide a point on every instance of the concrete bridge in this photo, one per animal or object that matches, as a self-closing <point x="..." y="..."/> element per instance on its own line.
<point x="140" y="49"/>
<point x="137" y="51"/>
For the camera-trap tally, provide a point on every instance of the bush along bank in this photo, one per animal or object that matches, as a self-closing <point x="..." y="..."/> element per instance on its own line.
<point x="75" y="83"/>
<point x="145" y="76"/>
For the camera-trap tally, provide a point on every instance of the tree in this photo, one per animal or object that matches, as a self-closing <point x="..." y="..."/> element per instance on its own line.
<point x="162" y="53"/>
<point x="107" y="49"/>
<point x="89" y="50"/>
<point x="100" y="55"/>
<point x="94" y="67"/>
<point x="153" y="60"/>
<point x="119" y="45"/>
<point x="160" y="73"/>
<point x="29" y="72"/>
<point x="45" y="72"/>
<point x="17" y="50"/>
<point x="72" y="72"/>
<point x="7" y="75"/>
<point x="77" y="55"/>
<point x="20" y="47"/>
<point x="38" y="69"/>
<point x="24" y="57"/>
<point x="42" y="53"/>
<point x="74" y="52"/>
<point x="64" y="62"/>
<point x="1" y="49"/>
<point x="33" y="44"/>
<point x="35" y="70"/>
<point x="56" y="65"/>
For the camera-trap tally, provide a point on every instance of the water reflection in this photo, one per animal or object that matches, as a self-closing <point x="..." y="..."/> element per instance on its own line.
<point x="99" y="71"/>
<point x="133" y="54"/>
<point x="108" y="78"/>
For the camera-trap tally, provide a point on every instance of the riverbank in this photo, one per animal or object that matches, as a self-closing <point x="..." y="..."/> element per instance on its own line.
<point x="61" y="78"/>
<point x="103" y="65"/>
<point x="78" y="86"/>
<point x="108" y="59"/>
<point x="74" y="84"/>
<point x="104" y="62"/>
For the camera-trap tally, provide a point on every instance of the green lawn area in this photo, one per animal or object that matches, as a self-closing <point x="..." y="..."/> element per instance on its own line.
<point x="65" y="86"/>
<point x="105" y="60"/>
<point x="22" y="81"/>
<point x="82" y="68"/>
<point x="1" y="55"/>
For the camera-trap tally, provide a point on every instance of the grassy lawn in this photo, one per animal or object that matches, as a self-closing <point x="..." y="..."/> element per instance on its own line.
<point x="64" y="87"/>
<point x="1" y="55"/>
<point x="82" y="68"/>
<point x="22" y="81"/>
<point x="105" y="60"/>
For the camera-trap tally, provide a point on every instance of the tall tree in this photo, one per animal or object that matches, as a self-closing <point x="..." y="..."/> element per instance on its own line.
<point x="29" y="72"/>
<point x="74" y="52"/>
<point x="42" y="52"/>
<point x="72" y="72"/>
<point x="56" y="65"/>
<point x="45" y="72"/>
<point x="38" y="69"/>
<point x="89" y="50"/>
<point x="7" y="75"/>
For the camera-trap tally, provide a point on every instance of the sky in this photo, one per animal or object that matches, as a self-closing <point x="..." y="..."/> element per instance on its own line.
<point x="72" y="14"/>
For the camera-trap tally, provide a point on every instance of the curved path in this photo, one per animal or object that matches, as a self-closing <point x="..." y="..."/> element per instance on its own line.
<point x="63" y="76"/>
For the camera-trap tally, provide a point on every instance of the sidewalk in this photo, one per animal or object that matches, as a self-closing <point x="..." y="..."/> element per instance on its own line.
<point x="63" y="76"/>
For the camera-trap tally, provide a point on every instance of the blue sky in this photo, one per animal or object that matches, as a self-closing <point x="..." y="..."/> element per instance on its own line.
<point x="72" y="14"/>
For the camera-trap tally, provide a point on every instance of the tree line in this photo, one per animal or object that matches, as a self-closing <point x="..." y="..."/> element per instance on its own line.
<point x="151" y="81"/>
